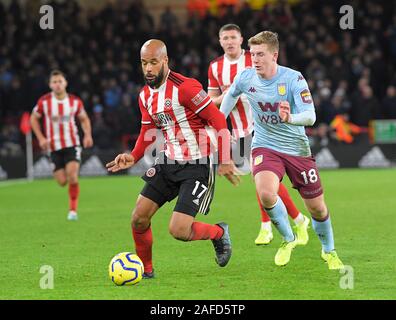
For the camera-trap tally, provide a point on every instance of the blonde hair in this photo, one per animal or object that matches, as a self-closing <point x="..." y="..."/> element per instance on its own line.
<point x="266" y="37"/>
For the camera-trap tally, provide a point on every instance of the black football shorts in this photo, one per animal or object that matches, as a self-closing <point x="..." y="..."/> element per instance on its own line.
<point x="192" y="183"/>
<point x="61" y="157"/>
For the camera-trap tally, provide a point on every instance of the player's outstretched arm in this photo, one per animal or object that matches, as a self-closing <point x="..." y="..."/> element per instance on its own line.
<point x="86" y="126"/>
<point x="229" y="171"/>
<point x="121" y="162"/>
<point x="217" y="95"/>
<point x="228" y="103"/>
<point x="127" y="160"/>
<point x="35" y="123"/>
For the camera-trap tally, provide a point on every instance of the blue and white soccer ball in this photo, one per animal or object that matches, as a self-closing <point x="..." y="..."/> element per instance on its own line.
<point x="126" y="269"/>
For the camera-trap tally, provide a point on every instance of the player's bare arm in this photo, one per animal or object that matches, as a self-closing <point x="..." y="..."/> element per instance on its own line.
<point x="35" y="122"/>
<point x="217" y="95"/>
<point x="121" y="162"/>
<point x="86" y="126"/>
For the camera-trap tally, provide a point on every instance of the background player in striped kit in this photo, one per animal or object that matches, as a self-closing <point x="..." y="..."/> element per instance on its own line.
<point x="221" y="74"/>
<point x="183" y="111"/>
<point x="59" y="110"/>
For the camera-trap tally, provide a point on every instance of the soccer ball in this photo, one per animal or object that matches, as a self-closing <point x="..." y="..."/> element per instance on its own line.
<point x="126" y="268"/>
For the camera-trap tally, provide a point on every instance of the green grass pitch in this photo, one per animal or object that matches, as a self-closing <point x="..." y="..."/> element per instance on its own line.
<point x="34" y="232"/>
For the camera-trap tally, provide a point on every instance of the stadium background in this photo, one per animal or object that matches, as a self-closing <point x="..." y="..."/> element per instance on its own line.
<point x="351" y="73"/>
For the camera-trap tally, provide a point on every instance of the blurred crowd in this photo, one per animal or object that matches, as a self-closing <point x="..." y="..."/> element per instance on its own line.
<point x="350" y="72"/>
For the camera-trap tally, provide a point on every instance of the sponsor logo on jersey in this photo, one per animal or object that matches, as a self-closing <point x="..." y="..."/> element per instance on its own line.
<point x="306" y="96"/>
<point x="162" y="119"/>
<point x="268" y="106"/>
<point x="282" y="89"/>
<point x="252" y="89"/>
<point x="60" y="118"/>
<point x="270" y="119"/>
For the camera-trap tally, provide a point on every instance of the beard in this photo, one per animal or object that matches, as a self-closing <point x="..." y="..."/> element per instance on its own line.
<point x="156" y="81"/>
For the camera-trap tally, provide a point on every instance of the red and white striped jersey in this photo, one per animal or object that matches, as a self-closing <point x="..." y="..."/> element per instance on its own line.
<point x="221" y="74"/>
<point x="174" y="108"/>
<point x="59" y="118"/>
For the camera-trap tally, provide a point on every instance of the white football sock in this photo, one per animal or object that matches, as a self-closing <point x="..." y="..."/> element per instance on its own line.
<point x="266" y="226"/>
<point x="299" y="219"/>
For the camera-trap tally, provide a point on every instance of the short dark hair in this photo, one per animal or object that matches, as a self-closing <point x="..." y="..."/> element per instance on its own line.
<point x="57" y="72"/>
<point x="230" y="26"/>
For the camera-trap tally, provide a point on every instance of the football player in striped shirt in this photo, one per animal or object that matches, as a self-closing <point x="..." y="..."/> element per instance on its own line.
<point x="186" y="115"/>
<point x="221" y="74"/>
<point x="58" y="111"/>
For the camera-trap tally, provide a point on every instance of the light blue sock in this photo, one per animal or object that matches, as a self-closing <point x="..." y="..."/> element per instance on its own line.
<point x="324" y="230"/>
<point x="278" y="215"/>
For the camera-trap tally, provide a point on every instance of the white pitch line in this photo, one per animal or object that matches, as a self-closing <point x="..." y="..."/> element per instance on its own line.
<point x="9" y="183"/>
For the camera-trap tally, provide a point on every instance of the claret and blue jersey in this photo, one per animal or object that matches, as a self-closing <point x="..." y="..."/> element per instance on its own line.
<point x="264" y="97"/>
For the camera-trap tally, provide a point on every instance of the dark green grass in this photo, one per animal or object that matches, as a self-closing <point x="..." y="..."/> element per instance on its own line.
<point x="34" y="232"/>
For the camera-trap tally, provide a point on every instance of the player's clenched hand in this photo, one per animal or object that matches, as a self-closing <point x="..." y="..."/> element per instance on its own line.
<point x="122" y="161"/>
<point x="44" y="144"/>
<point x="229" y="171"/>
<point x="284" y="111"/>
<point x="225" y="88"/>
<point x="88" y="141"/>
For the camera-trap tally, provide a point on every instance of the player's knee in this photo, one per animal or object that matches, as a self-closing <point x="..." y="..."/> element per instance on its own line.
<point x="72" y="176"/>
<point x="267" y="198"/>
<point x="140" y="220"/>
<point x="61" y="182"/>
<point x="180" y="232"/>
<point x="73" y="179"/>
<point x="317" y="210"/>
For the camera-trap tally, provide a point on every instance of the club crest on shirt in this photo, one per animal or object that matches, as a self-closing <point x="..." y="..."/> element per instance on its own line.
<point x="282" y="89"/>
<point x="306" y="96"/>
<point x="168" y="104"/>
<point x="150" y="172"/>
<point x="258" y="160"/>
